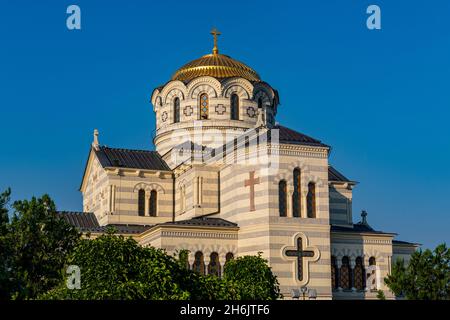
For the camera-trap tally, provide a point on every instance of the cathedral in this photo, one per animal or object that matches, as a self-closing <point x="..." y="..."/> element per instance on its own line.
<point x="227" y="180"/>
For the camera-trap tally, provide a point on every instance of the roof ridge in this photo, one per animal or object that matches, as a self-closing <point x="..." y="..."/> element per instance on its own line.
<point x="307" y="136"/>
<point x="73" y="212"/>
<point x="127" y="149"/>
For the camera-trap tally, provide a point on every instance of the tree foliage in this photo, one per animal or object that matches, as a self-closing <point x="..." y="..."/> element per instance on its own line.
<point x="37" y="247"/>
<point x="115" y="267"/>
<point x="427" y="276"/>
<point x="35" y="244"/>
<point x="4" y="246"/>
<point x="253" y="277"/>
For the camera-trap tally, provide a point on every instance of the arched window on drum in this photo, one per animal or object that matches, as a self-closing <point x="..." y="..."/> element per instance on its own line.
<point x="204" y="106"/>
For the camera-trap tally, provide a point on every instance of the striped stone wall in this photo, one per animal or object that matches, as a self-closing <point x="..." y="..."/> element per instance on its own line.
<point x="340" y="204"/>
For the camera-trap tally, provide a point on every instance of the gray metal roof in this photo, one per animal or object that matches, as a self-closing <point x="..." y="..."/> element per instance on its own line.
<point x="357" y="227"/>
<point x="127" y="158"/>
<point x="203" y="221"/>
<point x="334" y="175"/>
<point x="80" y="220"/>
<point x="87" y="222"/>
<point x="290" y="136"/>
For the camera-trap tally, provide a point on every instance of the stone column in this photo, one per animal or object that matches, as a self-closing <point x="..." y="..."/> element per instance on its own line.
<point x="147" y="203"/>
<point x="338" y="272"/>
<point x="352" y="264"/>
<point x="222" y="260"/>
<point x="304" y="205"/>
<point x="206" y="259"/>
<point x="289" y="206"/>
<point x="191" y="259"/>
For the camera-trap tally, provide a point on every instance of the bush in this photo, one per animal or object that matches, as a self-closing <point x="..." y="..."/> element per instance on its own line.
<point x="118" y="268"/>
<point x="253" y="277"/>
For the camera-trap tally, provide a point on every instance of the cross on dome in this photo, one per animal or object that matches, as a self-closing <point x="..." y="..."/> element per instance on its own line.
<point x="215" y="33"/>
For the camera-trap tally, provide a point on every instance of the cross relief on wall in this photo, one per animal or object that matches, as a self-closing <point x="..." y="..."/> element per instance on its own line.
<point x="220" y="109"/>
<point x="301" y="255"/>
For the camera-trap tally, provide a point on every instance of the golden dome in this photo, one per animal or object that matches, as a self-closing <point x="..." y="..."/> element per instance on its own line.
<point x="215" y="65"/>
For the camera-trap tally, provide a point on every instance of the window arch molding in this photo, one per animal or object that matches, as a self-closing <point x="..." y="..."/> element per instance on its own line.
<point x="172" y="94"/>
<point x="237" y="89"/>
<point x="148" y="187"/>
<point x="242" y="86"/>
<point x="203" y="87"/>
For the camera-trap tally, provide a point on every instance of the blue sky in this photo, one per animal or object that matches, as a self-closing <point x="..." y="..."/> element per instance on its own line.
<point x="380" y="98"/>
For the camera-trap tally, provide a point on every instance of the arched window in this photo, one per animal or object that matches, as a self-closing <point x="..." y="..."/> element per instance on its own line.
<point x="234" y="106"/>
<point x="345" y="274"/>
<point x="358" y="274"/>
<point x="282" y="198"/>
<point x="260" y="103"/>
<point x="176" y="110"/>
<point x="372" y="261"/>
<point x="214" y="264"/>
<point x="229" y="256"/>
<point x="141" y="202"/>
<point x="334" y="277"/>
<point x="311" y="200"/>
<point x="296" y="194"/>
<point x="153" y="203"/>
<point x="199" y="263"/>
<point x="204" y="106"/>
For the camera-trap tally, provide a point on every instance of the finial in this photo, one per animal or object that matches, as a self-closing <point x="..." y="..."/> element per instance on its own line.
<point x="215" y="33"/>
<point x="364" y="217"/>
<point x="95" y="143"/>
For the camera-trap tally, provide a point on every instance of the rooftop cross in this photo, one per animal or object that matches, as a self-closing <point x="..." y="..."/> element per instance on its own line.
<point x="215" y="33"/>
<point x="364" y="217"/>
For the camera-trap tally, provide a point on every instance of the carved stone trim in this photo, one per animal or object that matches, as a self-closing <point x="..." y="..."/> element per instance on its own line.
<point x="188" y="110"/>
<point x="193" y="234"/>
<point x="221" y="109"/>
<point x="164" y="116"/>
<point x="251" y="112"/>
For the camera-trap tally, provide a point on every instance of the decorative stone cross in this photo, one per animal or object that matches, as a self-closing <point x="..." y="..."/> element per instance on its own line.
<point x="299" y="253"/>
<point x="220" y="109"/>
<point x="251" y="183"/>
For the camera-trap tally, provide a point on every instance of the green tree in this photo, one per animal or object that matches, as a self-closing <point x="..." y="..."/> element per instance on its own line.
<point x="115" y="267"/>
<point x="38" y="243"/>
<point x="253" y="277"/>
<point x="5" y="282"/>
<point x="427" y="276"/>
